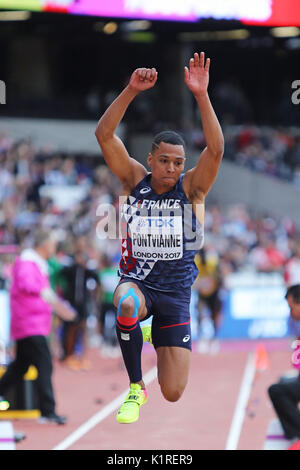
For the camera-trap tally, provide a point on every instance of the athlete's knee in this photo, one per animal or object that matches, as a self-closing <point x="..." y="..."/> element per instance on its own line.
<point x="172" y="393"/>
<point x="128" y="304"/>
<point x="126" y="307"/>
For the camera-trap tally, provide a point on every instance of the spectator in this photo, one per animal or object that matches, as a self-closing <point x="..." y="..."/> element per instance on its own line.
<point x="109" y="279"/>
<point x="285" y="396"/>
<point x="79" y="281"/>
<point x="32" y="300"/>
<point x="292" y="267"/>
<point x="208" y="285"/>
<point x="267" y="257"/>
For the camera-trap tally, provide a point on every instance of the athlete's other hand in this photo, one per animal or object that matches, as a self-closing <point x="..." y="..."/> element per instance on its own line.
<point x="143" y="79"/>
<point x="196" y="76"/>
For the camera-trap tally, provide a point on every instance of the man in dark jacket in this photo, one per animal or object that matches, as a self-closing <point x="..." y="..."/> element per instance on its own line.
<point x="285" y="395"/>
<point x="80" y="281"/>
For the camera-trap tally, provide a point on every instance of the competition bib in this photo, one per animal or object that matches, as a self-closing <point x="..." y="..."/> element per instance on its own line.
<point x="156" y="237"/>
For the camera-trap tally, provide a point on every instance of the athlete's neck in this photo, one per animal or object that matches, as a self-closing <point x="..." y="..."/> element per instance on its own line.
<point x="161" y="188"/>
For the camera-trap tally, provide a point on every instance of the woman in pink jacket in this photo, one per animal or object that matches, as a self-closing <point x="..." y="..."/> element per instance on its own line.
<point x="32" y="301"/>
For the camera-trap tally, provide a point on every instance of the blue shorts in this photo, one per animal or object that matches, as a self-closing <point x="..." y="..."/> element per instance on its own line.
<point x="171" y="322"/>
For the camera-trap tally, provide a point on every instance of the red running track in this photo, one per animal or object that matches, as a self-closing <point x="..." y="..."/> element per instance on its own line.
<point x="202" y="419"/>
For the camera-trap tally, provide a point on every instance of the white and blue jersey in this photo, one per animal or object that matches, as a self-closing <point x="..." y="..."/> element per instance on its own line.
<point x="160" y="237"/>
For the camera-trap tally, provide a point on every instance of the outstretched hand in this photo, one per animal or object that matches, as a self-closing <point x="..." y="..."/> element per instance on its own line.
<point x="196" y="76"/>
<point x="143" y="79"/>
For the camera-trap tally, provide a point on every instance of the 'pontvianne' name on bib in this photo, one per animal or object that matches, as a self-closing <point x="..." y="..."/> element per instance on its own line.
<point x="156" y="235"/>
<point x="160" y="241"/>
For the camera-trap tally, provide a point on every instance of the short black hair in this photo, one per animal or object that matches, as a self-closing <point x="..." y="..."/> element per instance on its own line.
<point x="168" y="137"/>
<point x="294" y="291"/>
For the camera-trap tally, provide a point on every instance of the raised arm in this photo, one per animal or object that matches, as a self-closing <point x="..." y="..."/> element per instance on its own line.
<point x="128" y="170"/>
<point x="201" y="178"/>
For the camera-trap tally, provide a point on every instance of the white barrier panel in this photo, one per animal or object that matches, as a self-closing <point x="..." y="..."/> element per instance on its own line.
<point x="7" y="439"/>
<point x="275" y="439"/>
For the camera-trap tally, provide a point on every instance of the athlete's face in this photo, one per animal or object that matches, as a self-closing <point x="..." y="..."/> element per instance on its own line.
<point x="166" y="163"/>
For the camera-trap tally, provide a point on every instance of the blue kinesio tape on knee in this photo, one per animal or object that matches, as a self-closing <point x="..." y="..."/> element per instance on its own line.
<point x="131" y="292"/>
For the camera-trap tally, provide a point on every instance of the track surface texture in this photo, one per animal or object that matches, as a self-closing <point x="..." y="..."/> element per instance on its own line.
<point x="220" y="403"/>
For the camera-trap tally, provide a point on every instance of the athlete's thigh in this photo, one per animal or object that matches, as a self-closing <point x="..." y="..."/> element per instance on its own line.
<point x="173" y="366"/>
<point x="123" y="289"/>
<point x="171" y="324"/>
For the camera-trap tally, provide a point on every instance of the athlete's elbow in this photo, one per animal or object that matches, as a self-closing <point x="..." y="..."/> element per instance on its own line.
<point x="100" y="135"/>
<point x="219" y="155"/>
<point x="221" y="146"/>
<point x="217" y="151"/>
<point x="102" y="132"/>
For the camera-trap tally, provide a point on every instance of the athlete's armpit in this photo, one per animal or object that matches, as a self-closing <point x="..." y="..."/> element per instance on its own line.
<point x="195" y="196"/>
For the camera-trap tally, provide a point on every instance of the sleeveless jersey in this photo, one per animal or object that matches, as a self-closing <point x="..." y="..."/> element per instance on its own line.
<point x="160" y="237"/>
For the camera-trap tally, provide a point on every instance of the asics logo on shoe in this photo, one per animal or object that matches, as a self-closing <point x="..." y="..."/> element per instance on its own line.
<point x="145" y="190"/>
<point x="186" y="338"/>
<point x="133" y="397"/>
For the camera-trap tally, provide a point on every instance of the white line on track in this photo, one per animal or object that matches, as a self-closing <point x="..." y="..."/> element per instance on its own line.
<point x="239" y="412"/>
<point x="101" y="415"/>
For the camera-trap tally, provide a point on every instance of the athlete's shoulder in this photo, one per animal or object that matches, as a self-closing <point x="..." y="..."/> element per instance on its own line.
<point x="138" y="182"/>
<point x="138" y="174"/>
<point x="144" y="185"/>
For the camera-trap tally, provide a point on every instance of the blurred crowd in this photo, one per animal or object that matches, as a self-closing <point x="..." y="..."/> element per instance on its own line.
<point x="24" y="171"/>
<point x="39" y="187"/>
<point x="249" y="241"/>
<point x="42" y="188"/>
<point x="274" y="151"/>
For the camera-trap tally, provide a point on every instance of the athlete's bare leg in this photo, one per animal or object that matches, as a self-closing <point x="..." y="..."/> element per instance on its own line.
<point x="128" y="305"/>
<point x="173" y="364"/>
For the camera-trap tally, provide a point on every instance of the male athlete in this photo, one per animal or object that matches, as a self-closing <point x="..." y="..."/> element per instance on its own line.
<point x="157" y="265"/>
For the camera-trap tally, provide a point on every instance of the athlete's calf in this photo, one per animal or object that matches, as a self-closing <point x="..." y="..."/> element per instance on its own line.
<point x="130" y="309"/>
<point x="173" y="365"/>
